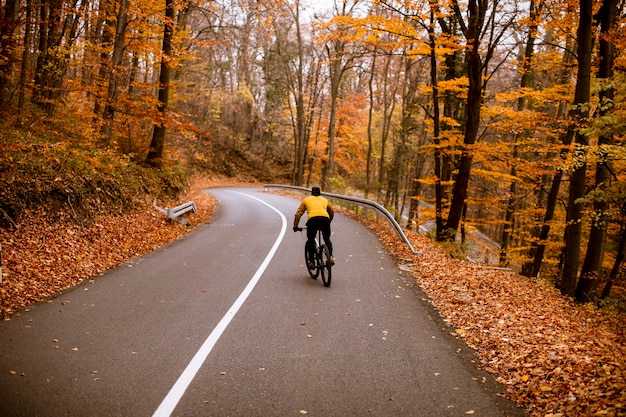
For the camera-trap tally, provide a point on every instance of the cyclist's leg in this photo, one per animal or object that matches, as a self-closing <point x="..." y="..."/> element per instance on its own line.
<point x="325" y="226"/>
<point x="311" y="231"/>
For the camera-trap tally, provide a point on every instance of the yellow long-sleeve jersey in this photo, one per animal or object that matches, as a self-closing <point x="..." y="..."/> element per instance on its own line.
<point x="315" y="206"/>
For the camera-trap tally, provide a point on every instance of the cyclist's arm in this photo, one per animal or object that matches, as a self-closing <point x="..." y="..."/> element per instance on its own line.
<point x="331" y="212"/>
<point x="299" y="213"/>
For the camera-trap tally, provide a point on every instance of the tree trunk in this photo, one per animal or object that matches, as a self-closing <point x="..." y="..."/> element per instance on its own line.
<point x="509" y="216"/>
<point x="432" y="38"/>
<point x="619" y="260"/>
<point x="401" y="150"/>
<point x="41" y="80"/>
<point x="102" y="37"/>
<point x="370" y="120"/>
<point x="389" y="104"/>
<point x="301" y="125"/>
<point x="444" y="162"/>
<point x="592" y="266"/>
<point x="9" y="22"/>
<point x="26" y="62"/>
<point x="522" y="104"/>
<point x="573" y="230"/>
<point x="336" y="69"/>
<point x="474" y="103"/>
<point x="155" y="154"/>
<point x="415" y="191"/>
<point x="541" y="234"/>
<point x="116" y="61"/>
<point x="532" y="269"/>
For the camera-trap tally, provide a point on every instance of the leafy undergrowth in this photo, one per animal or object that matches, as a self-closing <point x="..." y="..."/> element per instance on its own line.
<point x="554" y="357"/>
<point x="64" y="181"/>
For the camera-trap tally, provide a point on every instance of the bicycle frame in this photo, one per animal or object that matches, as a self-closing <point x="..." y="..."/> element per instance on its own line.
<point x="321" y="262"/>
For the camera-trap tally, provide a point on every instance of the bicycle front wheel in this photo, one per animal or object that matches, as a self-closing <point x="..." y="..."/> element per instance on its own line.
<point x="326" y="265"/>
<point x="314" y="271"/>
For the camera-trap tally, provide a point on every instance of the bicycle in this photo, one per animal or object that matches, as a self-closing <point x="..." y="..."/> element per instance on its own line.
<point x="322" y="263"/>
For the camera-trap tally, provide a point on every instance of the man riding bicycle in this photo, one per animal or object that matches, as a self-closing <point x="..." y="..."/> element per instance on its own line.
<point x="320" y="213"/>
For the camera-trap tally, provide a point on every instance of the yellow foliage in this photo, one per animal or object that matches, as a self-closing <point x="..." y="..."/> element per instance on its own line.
<point x="554" y="94"/>
<point x="498" y="177"/>
<point x="457" y="86"/>
<point x="351" y="134"/>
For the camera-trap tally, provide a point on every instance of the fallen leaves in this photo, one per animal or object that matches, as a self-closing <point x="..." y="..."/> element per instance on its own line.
<point x="553" y="356"/>
<point x="44" y="257"/>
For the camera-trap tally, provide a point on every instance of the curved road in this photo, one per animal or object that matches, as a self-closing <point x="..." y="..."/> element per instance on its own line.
<point x="226" y="322"/>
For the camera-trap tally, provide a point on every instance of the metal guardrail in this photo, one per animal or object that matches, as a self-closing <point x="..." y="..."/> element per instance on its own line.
<point x="360" y="202"/>
<point x="177" y="213"/>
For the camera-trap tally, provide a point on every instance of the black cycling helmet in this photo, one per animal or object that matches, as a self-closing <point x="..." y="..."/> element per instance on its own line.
<point x="316" y="191"/>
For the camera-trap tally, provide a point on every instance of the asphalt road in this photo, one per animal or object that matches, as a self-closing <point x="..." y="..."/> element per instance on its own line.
<point x="227" y="322"/>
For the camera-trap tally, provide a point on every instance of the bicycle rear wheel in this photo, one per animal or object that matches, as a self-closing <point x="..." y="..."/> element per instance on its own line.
<point x="326" y="265"/>
<point x="314" y="272"/>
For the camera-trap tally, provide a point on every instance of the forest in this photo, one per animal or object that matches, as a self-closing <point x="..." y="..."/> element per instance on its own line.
<point x="501" y="116"/>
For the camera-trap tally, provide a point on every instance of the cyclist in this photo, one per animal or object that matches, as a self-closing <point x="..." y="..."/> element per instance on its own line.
<point x="320" y="213"/>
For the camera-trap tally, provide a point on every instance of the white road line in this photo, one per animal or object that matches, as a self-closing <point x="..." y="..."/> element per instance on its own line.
<point x="173" y="397"/>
